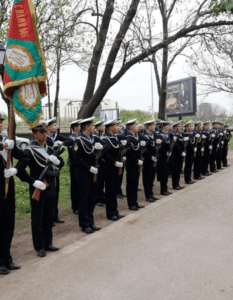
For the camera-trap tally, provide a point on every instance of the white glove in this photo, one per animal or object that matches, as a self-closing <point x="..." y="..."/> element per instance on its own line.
<point x="217" y="145"/>
<point x="123" y="142"/>
<point x="54" y="160"/>
<point x="174" y="138"/>
<point x="186" y="138"/>
<point x="213" y="135"/>
<point x="202" y="149"/>
<point x="222" y="142"/>
<point x="221" y="133"/>
<point x="140" y="162"/>
<point x="183" y="154"/>
<point x="158" y="141"/>
<point x="225" y="131"/>
<point x="195" y="149"/>
<point x="118" y="164"/>
<point x="203" y="136"/>
<point x="10" y="144"/>
<point x="142" y="143"/>
<point x="210" y="147"/>
<point x="168" y="153"/>
<point x="154" y="158"/>
<point x="10" y="172"/>
<point x="39" y="185"/>
<point x="124" y="158"/>
<point x="197" y="135"/>
<point x="57" y="144"/>
<point x="98" y="146"/>
<point x="93" y="170"/>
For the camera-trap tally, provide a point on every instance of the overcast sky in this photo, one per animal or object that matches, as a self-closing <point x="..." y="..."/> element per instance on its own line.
<point x="132" y="92"/>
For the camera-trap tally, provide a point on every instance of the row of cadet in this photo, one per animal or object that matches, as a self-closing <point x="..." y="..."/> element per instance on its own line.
<point x="98" y="156"/>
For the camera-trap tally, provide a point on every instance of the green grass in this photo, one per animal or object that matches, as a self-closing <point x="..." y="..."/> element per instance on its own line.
<point x="23" y="208"/>
<point x="231" y="144"/>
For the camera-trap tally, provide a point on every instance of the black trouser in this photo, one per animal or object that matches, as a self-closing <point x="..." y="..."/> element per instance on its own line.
<point x="42" y="217"/>
<point x="57" y="189"/>
<point x="219" y="158"/>
<point x="87" y="197"/>
<point x="100" y="193"/>
<point x="198" y="165"/>
<point x="132" y="183"/>
<point x="176" y="168"/>
<point x="163" y="172"/>
<point x="213" y="157"/>
<point x="119" y="182"/>
<point x="224" y="155"/>
<point x="188" y="167"/>
<point x="73" y="189"/>
<point x="111" y="177"/>
<point x="7" y="220"/>
<point x="206" y="161"/>
<point x="148" y="176"/>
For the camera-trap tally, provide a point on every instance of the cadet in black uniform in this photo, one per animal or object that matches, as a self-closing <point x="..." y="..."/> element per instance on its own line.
<point x="177" y="155"/>
<point x="75" y="127"/>
<point x="208" y="147"/>
<point x="37" y="156"/>
<point x="164" y="154"/>
<point x="7" y="205"/>
<point x="98" y="134"/>
<point x="199" y="144"/>
<point x="84" y="160"/>
<point x="227" y="137"/>
<point x="111" y="169"/>
<point x="213" y="156"/>
<point x="220" y="148"/>
<point x="149" y="164"/>
<point x="132" y="165"/>
<point x="53" y="141"/>
<point x="190" y="149"/>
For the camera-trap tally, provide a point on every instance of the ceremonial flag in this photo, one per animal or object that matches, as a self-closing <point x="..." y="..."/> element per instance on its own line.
<point x="25" y="71"/>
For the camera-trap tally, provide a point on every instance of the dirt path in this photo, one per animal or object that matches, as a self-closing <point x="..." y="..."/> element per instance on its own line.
<point x="69" y="232"/>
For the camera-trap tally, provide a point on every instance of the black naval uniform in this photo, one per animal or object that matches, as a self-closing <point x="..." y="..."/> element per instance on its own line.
<point x="111" y="174"/>
<point x="83" y="149"/>
<point x="163" y="166"/>
<point x="42" y="214"/>
<point x="73" y="185"/>
<point x="132" y="168"/>
<point x="220" y="149"/>
<point x="177" y="160"/>
<point x="198" y="157"/>
<point x="227" y="138"/>
<point x="7" y="206"/>
<point x="149" y="166"/>
<point x="206" y="157"/>
<point x="189" y="155"/>
<point x="213" y="155"/>
<point x="51" y="139"/>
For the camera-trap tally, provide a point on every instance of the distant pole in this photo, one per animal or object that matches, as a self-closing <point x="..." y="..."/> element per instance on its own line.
<point x="152" y="95"/>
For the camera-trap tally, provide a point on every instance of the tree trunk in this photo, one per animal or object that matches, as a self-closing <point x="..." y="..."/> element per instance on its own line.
<point x="57" y="86"/>
<point x="49" y="102"/>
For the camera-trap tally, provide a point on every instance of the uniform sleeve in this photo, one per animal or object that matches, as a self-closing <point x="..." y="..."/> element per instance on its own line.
<point x="21" y="166"/>
<point x="106" y="154"/>
<point x="78" y="158"/>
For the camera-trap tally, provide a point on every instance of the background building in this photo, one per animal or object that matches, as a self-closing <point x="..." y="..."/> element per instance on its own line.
<point x="69" y="108"/>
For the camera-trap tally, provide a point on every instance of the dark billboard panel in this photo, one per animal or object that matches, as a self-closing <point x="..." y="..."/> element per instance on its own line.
<point x="181" y="97"/>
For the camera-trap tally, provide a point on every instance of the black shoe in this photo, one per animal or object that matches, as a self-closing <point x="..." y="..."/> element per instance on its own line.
<point x="133" y="208"/>
<point x="199" y="178"/>
<point x="190" y="182"/>
<point x="206" y="174"/>
<point x="182" y="187"/>
<point x="58" y="220"/>
<point x="75" y="211"/>
<point x="177" y="188"/>
<point x="139" y="206"/>
<point x="123" y="195"/>
<point x="4" y="270"/>
<point x="139" y="190"/>
<point x="51" y="248"/>
<point x="12" y="266"/>
<point x="165" y="193"/>
<point x="95" y="228"/>
<point x="100" y="204"/>
<point x="215" y="171"/>
<point x="120" y="216"/>
<point x="154" y="198"/>
<point x="41" y="253"/>
<point x="119" y="196"/>
<point x="87" y="230"/>
<point x="150" y="200"/>
<point x="113" y="218"/>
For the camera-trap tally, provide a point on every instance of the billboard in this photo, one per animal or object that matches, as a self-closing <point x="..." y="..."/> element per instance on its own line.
<point x="109" y="114"/>
<point x="181" y="97"/>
